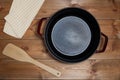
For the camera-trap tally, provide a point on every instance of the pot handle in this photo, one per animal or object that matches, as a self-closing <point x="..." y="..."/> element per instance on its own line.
<point x="102" y="43"/>
<point x="40" y="25"/>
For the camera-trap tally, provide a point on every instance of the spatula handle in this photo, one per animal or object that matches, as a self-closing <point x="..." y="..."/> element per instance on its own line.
<point x="49" y="69"/>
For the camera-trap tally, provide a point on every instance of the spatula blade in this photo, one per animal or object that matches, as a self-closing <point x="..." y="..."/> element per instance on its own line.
<point x="16" y="53"/>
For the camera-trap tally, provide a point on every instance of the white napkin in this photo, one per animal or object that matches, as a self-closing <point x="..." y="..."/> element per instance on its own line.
<point x="20" y="16"/>
<point x="7" y="29"/>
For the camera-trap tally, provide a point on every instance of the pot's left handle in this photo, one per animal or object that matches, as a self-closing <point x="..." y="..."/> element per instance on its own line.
<point x="40" y="30"/>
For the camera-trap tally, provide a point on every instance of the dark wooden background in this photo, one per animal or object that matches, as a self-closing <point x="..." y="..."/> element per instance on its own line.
<point x="100" y="66"/>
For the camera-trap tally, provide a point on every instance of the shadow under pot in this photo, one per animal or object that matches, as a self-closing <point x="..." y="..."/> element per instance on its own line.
<point x="72" y="35"/>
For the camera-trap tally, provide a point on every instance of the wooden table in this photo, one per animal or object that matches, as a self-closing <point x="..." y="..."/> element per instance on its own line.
<point x="100" y="66"/>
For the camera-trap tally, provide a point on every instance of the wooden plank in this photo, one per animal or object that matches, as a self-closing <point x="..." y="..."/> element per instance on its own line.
<point x="89" y="69"/>
<point x="5" y="7"/>
<point x="14" y="67"/>
<point x="116" y="26"/>
<point x="36" y="49"/>
<point x="104" y="9"/>
<point x="108" y="27"/>
<point x="105" y="69"/>
<point x="93" y="6"/>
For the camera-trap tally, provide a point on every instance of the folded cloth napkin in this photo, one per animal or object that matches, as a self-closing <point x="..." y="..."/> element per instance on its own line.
<point x="7" y="29"/>
<point x="20" y="16"/>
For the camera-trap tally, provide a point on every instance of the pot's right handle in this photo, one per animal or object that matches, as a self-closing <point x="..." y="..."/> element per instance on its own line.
<point x="40" y="26"/>
<point x="102" y="43"/>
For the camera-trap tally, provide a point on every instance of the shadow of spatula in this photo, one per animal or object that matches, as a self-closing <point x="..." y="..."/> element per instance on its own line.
<point x="18" y="54"/>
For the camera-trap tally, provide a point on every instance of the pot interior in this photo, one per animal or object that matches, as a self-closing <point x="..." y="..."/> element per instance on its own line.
<point x="71" y="35"/>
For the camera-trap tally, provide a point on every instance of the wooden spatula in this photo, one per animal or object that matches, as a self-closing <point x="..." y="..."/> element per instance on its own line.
<point x="18" y="54"/>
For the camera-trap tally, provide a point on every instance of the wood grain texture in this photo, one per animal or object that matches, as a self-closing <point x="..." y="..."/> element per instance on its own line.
<point x="103" y="9"/>
<point x="100" y="66"/>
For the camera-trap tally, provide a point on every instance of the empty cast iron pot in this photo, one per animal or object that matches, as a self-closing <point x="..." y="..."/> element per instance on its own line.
<point x="72" y="35"/>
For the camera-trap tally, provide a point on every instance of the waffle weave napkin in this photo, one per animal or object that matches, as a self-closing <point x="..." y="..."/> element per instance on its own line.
<point x="20" y="16"/>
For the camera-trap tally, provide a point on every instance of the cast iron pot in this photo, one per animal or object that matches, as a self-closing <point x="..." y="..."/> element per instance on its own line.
<point x="72" y="35"/>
